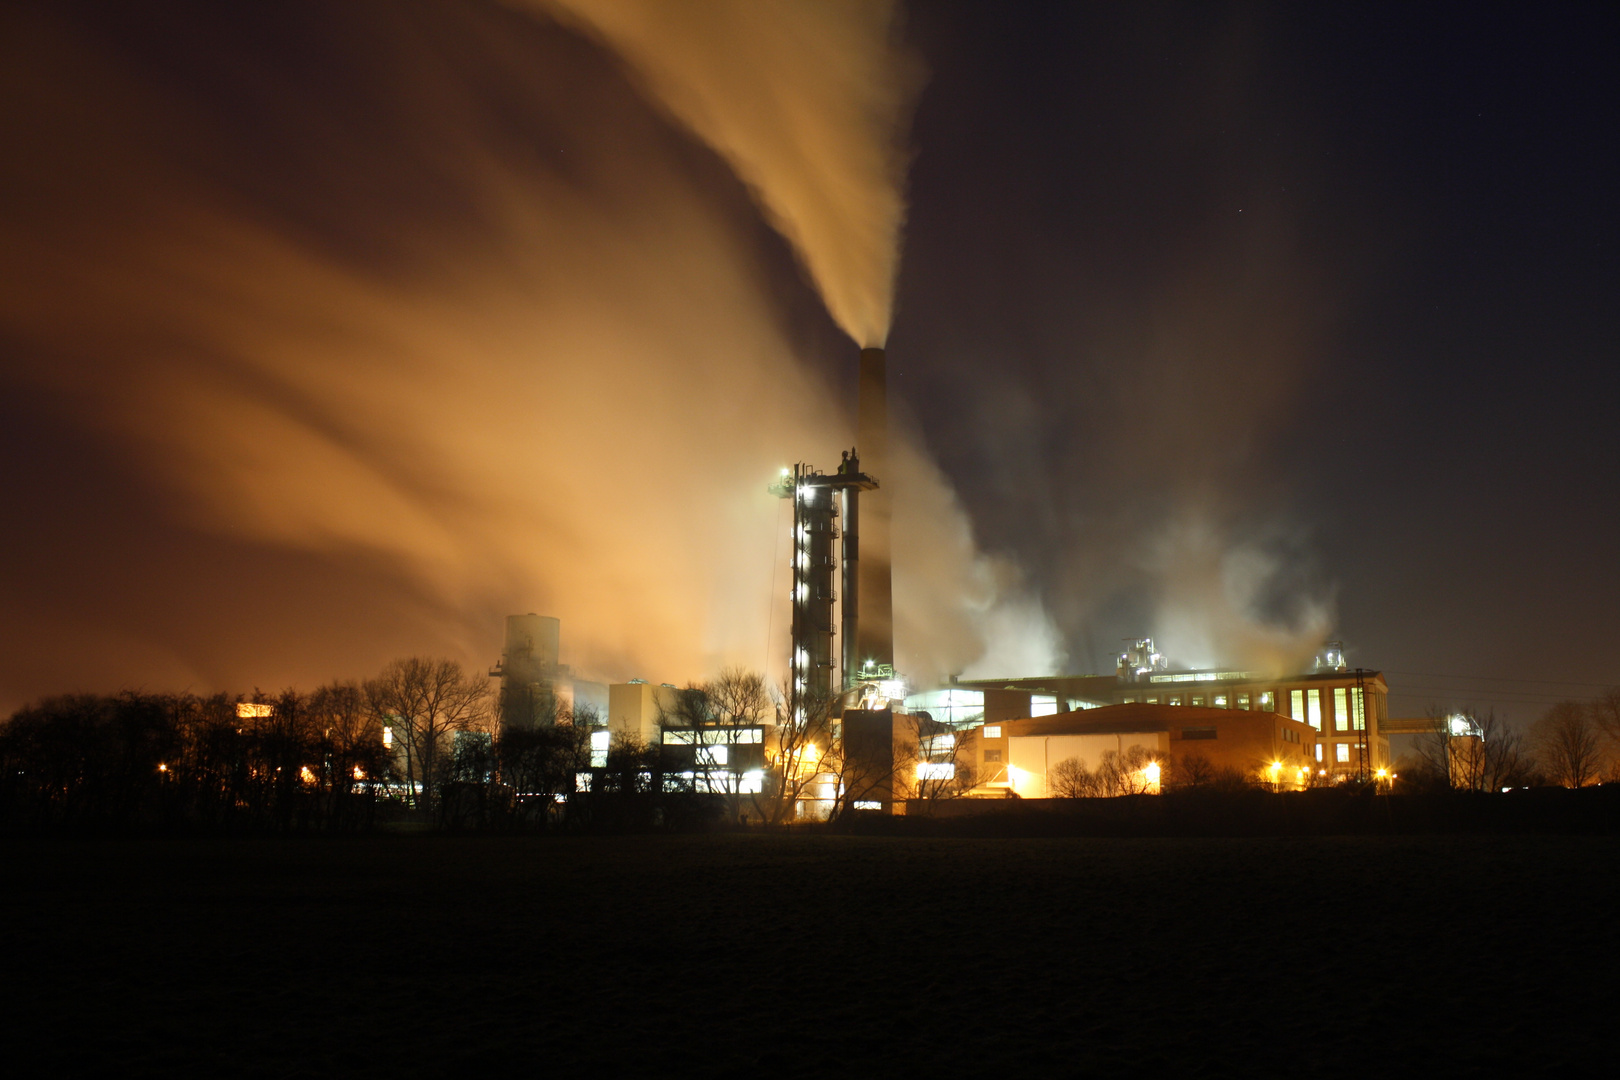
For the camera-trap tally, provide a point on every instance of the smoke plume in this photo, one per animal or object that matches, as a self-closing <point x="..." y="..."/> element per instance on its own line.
<point x="1224" y="600"/>
<point x="335" y="334"/>
<point x="807" y="101"/>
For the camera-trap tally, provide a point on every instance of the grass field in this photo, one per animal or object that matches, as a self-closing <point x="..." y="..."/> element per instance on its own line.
<point x="809" y="955"/>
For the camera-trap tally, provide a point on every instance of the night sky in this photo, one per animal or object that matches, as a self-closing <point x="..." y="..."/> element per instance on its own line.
<point x="1229" y="325"/>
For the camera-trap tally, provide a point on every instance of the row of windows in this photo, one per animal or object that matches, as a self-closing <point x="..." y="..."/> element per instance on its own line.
<point x="1263" y="702"/>
<point x="1341" y="751"/>
<point x="1346" y="705"/>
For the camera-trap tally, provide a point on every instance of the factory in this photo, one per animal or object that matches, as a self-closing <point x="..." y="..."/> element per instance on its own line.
<point x="1327" y="725"/>
<point x="882" y="745"/>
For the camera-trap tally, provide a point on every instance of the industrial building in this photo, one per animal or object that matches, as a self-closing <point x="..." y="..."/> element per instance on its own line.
<point x="984" y="736"/>
<point x="1332" y="715"/>
<point x="1174" y="745"/>
<point x="841" y="528"/>
<point x="535" y="685"/>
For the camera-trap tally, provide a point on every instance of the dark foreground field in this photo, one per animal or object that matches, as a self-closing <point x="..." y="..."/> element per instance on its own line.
<point x="809" y="956"/>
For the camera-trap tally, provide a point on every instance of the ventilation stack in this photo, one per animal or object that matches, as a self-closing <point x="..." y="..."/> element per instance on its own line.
<point x="872" y="649"/>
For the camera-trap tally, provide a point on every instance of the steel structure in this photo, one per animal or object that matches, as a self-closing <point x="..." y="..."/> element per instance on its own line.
<point x="820" y="551"/>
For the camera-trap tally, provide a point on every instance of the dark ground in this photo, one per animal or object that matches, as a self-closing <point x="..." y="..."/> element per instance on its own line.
<point x="809" y="955"/>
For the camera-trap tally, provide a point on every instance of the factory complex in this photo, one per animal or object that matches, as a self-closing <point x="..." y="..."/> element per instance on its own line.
<point x="852" y="735"/>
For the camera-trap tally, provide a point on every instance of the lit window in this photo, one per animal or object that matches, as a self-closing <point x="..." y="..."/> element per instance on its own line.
<point x="1220" y="701"/>
<point x="1313" y="709"/>
<point x="992" y="731"/>
<point x="1297" y="701"/>
<point x="936" y="770"/>
<point x="1356" y="696"/>
<point x="1243" y="701"/>
<point x="1266" y="702"/>
<point x="1198" y="700"/>
<point x="582" y="781"/>
<point x="1318" y="751"/>
<point x="1341" y="752"/>
<point x="1341" y="711"/>
<point x="867" y="804"/>
<point x="1175" y="701"/>
<point x="1042" y="705"/>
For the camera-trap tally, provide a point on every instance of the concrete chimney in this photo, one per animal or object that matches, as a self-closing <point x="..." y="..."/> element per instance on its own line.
<point x="875" y="635"/>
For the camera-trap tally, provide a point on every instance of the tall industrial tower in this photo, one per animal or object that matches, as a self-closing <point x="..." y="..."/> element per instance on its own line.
<point x="873" y="645"/>
<point x="820" y="500"/>
<point x="861" y="550"/>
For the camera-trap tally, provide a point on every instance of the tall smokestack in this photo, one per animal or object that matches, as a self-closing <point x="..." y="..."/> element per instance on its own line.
<point x="875" y="636"/>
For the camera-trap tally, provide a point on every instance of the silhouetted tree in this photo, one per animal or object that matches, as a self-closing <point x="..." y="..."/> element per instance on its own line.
<point x="721" y="723"/>
<point x="929" y="763"/>
<point x="1567" y="744"/>
<point x="804" y="751"/>
<point x="1606" y="715"/>
<point x="428" y="701"/>
<point x="1070" y="779"/>
<point x="1467" y="750"/>
<point x="540" y="763"/>
<point x="1191" y="770"/>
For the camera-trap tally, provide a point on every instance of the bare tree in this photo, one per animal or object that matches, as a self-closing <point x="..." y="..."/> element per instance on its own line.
<point x="1504" y="762"/>
<point x="804" y="755"/>
<point x="928" y="760"/>
<point x="1192" y="770"/>
<point x="540" y="764"/>
<point x="1132" y="771"/>
<point x="428" y="701"/>
<point x="354" y="760"/>
<point x="1606" y="715"/>
<point x="723" y="722"/>
<point x="1467" y="750"/>
<point x="1434" y="750"/>
<point x="866" y="763"/>
<point x="1070" y="779"/>
<point x="1567" y="740"/>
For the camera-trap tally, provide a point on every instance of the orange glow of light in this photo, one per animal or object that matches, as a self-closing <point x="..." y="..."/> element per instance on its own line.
<point x="162" y="767"/>
<point x="305" y="775"/>
<point x="359" y="773"/>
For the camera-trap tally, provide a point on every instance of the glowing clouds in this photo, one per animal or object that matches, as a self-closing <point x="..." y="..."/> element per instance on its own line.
<point x="807" y="101"/>
<point x="1227" y="602"/>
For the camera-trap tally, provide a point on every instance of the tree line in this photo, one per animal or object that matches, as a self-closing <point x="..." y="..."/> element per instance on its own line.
<point x="424" y="741"/>
<point x="1573" y="744"/>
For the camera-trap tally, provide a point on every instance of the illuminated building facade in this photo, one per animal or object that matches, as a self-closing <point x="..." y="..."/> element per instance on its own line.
<point x="1345" y="709"/>
<point x="1171" y="745"/>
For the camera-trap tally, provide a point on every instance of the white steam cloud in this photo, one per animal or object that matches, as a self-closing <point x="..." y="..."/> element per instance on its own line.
<point x="807" y="100"/>
<point x="1219" y="601"/>
<point x="519" y="380"/>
